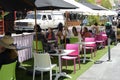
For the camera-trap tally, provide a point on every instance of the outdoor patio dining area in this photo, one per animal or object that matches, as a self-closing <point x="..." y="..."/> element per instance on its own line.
<point x="86" y="61"/>
<point x="45" y="48"/>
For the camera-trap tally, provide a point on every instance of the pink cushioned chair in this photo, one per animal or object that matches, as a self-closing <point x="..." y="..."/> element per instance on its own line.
<point x="72" y="56"/>
<point x="99" y="40"/>
<point x="104" y="37"/>
<point x="91" y="46"/>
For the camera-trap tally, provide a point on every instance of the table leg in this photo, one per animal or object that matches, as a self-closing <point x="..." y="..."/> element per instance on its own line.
<point x="60" y="70"/>
<point x="62" y="74"/>
<point x="84" y="60"/>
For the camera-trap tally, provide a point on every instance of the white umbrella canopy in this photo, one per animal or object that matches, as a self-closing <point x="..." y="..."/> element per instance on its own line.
<point x="81" y="7"/>
<point x="105" y="12"/>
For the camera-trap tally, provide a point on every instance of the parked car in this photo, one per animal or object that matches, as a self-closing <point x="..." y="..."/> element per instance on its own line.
<point x="45" y="20"/>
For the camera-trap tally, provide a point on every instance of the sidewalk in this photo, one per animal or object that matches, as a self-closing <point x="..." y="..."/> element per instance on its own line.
<point x="106" y="70"/>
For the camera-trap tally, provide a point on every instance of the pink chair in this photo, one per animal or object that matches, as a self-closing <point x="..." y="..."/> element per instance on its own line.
<point x="104" y="36"/>
<point x="91" y="46"/>
<point x="72" y="56"/>
<point x="99" y="40"/>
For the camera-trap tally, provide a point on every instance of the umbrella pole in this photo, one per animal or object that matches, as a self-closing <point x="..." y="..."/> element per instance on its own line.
<point x="66" y="13"/>
<point x="36" y="38"/>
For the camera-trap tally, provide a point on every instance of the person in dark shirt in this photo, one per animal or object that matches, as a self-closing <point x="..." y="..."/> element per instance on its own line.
<point x="86" y="33"/>
<point x="113" y="37"/>
<point x="41" y="37"/>
<point x="60" y="35"/>
<point x="51" y="39"/>
<point x="8" y="53"/>
<point x="50" y="34"/>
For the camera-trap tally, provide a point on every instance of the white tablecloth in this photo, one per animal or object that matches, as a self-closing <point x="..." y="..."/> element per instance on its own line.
<point x="24" y="40"/>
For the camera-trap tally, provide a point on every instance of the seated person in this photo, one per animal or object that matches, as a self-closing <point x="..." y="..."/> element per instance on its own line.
<point x="86" y="33"/>
<point x="8" y="53"/>
<point x="50" y="36"/>
<point x="41" y="37"/>
<point x="60" y="35"/>
<point x="67" y="34"/>
<point x="74" y="30"/>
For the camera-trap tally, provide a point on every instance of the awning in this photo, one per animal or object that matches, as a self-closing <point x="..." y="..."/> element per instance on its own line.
<point x="93" y="6"/>
<point x="81" y="7"/>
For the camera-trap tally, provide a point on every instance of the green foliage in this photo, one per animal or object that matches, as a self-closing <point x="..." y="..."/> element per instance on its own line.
<point x="77" y="0"/>
<point x="106" y="4"/>
<point x="74" y="40"/>
<point x="93" y="19"/>
<point x="91" y="1"/>
<point x="0" y="16"/>
<point x="5" y="13"/>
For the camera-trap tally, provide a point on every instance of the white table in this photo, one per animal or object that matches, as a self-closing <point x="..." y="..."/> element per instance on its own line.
<point x="63" y="52"/>
<point x="84" y="43"/>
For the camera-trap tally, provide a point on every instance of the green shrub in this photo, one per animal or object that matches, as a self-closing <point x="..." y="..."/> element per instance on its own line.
<point x="93" y="19"/>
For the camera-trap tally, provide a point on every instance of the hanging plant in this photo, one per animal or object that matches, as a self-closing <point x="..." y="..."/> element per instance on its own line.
<point x="3" y="15"/>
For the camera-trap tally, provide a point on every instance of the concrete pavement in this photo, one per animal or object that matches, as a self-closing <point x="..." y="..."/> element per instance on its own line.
<point x="106" y="70"/>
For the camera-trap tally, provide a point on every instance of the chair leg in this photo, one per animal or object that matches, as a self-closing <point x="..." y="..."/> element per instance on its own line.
<point x="82" y="52"/>
<point x="33" y="74"/>
<point x="50" y="74"/>
<point x="94" y="52"/>
<point x="91" y="53"/>
<point x="74" y="65"/>
<point x="41" y="75"/>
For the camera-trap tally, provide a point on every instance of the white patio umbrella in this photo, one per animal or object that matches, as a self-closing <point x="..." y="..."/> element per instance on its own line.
<point x="81" y="7"/>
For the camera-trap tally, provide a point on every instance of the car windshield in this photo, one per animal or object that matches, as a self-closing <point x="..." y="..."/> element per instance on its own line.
<point x="32" y="16"/>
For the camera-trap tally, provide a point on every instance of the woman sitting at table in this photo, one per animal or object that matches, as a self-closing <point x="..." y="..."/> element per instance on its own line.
<point x="74" y="31"/>
<point x="85" y="33"/>
<point x="76" y="34"/>
<point x="67" y="34"/>
<point x="41" y="37"/>
<point x="50" y="35"/>
<point x="60" y="35"/>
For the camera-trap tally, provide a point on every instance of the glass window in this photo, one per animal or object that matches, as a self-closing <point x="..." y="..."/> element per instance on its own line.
<point x="44" y="17"/>
<point x="32" y="16"/>
<point x="49" y="17"/>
